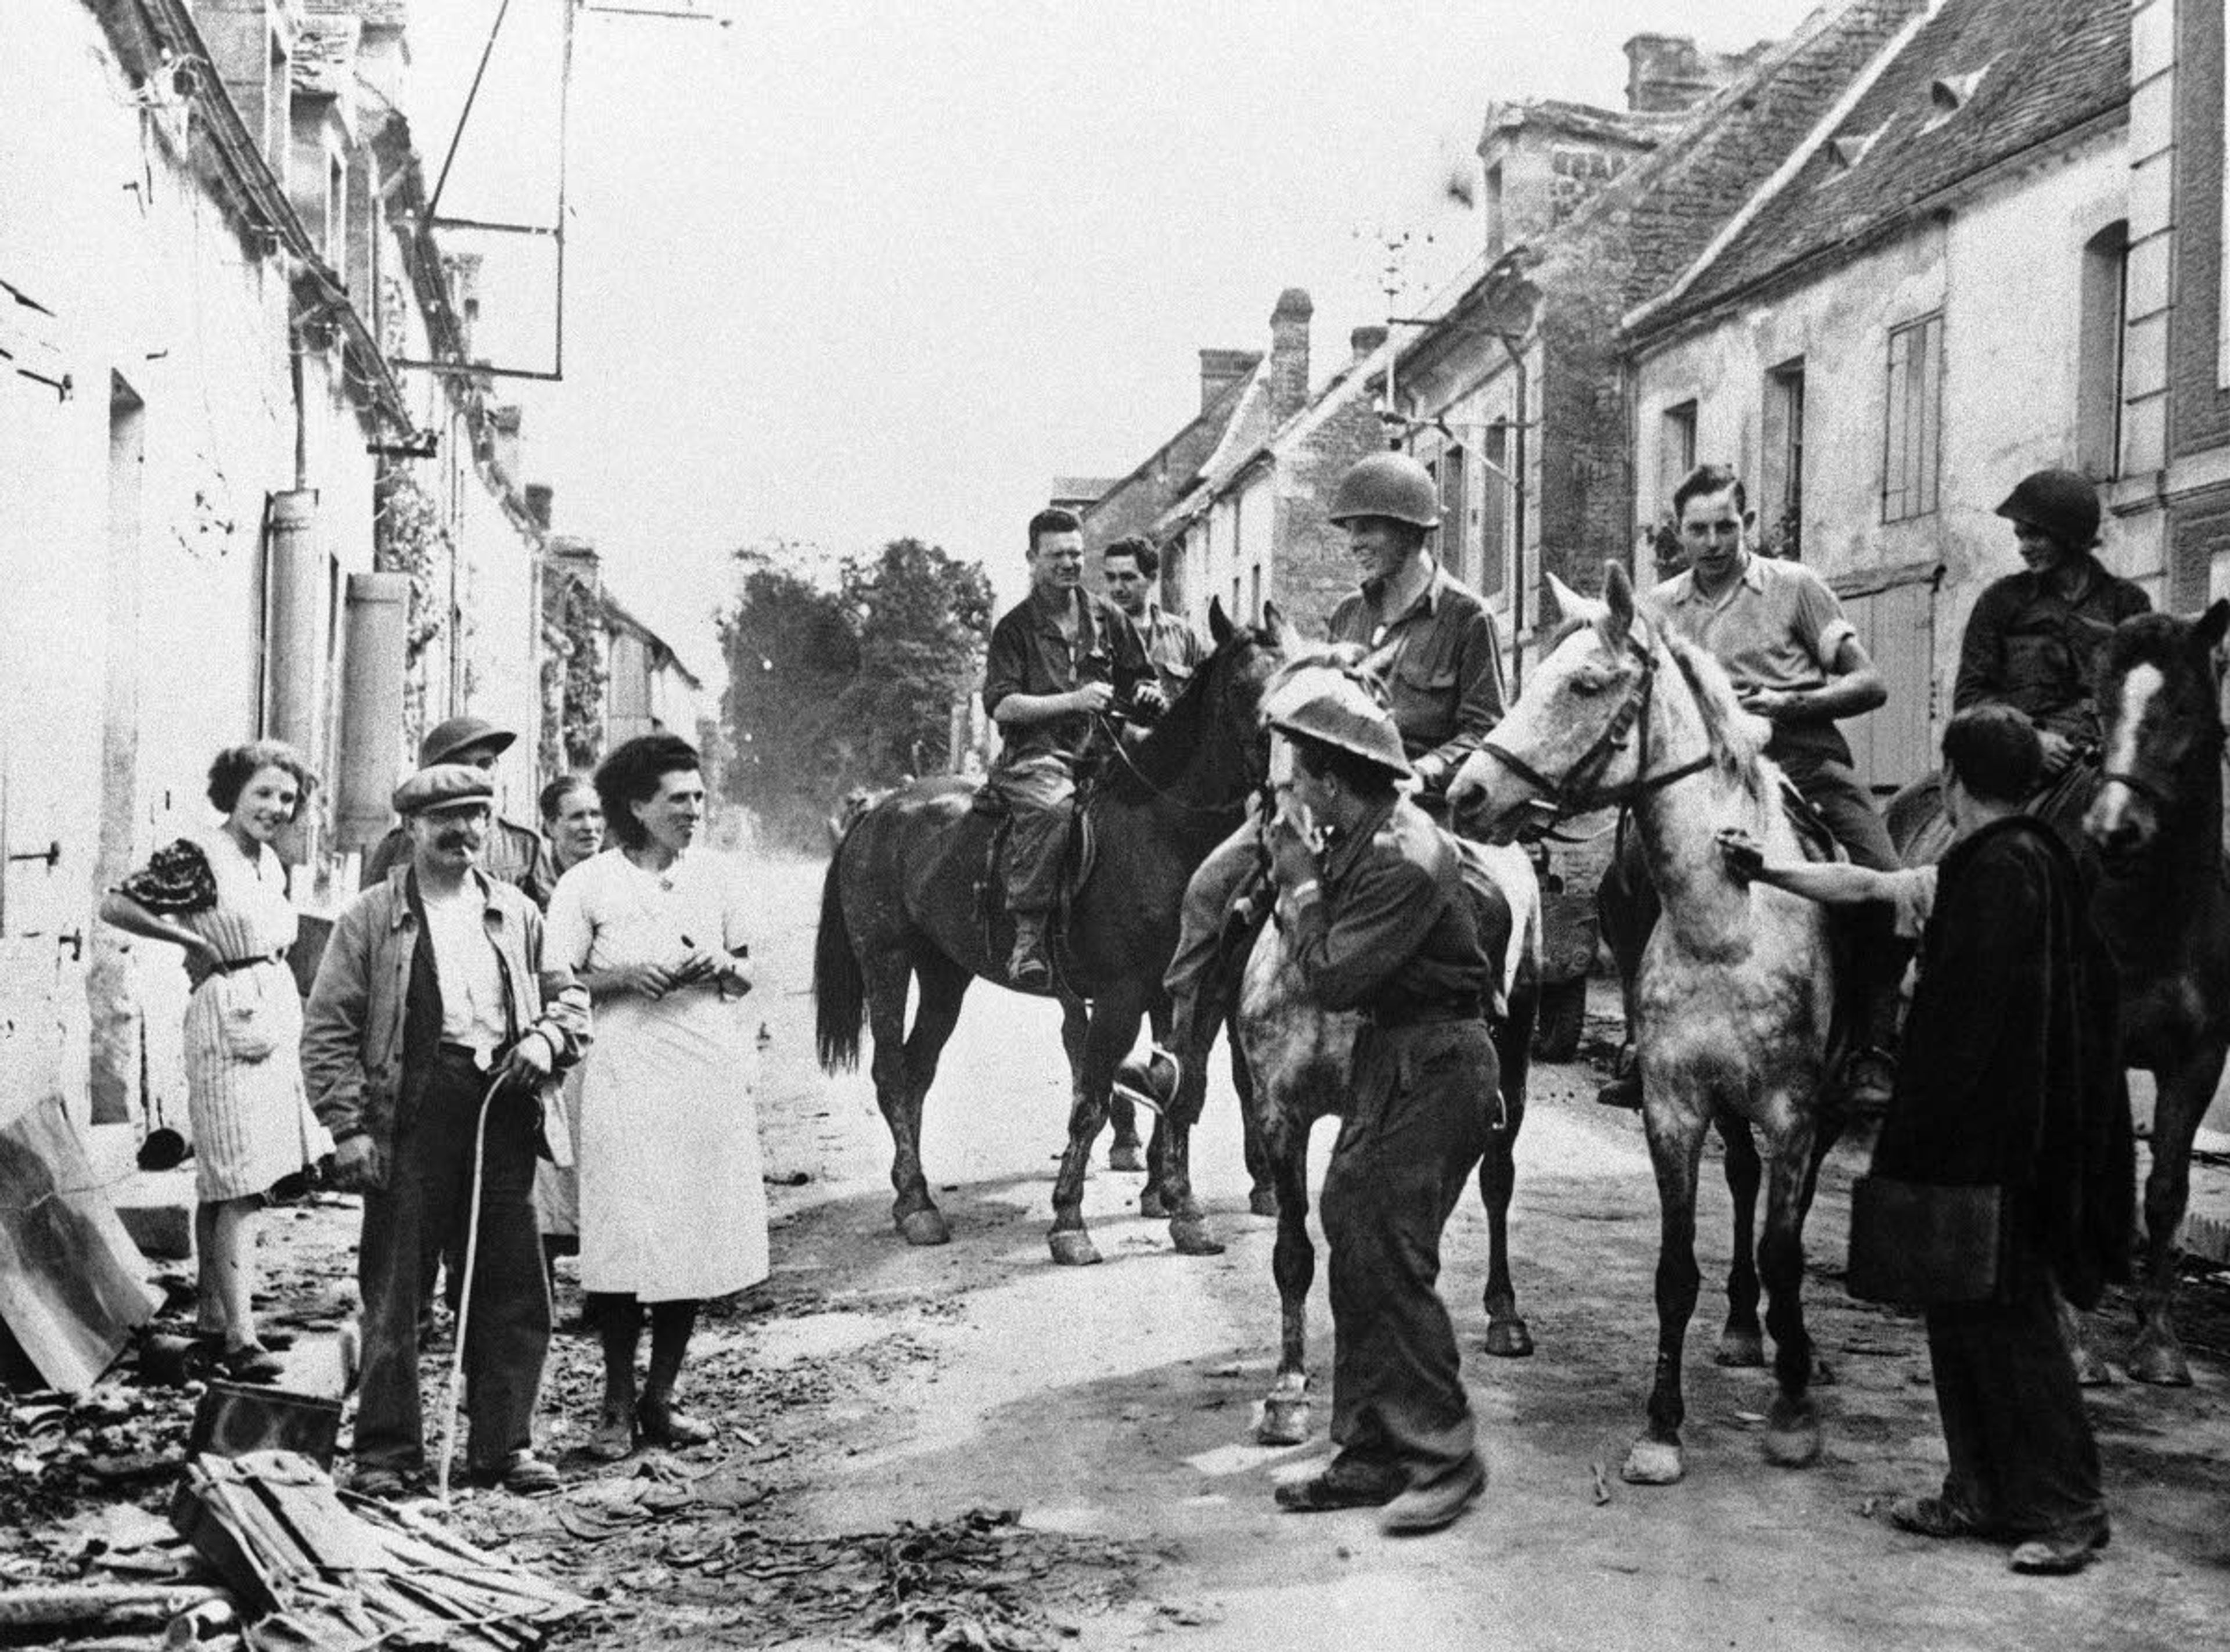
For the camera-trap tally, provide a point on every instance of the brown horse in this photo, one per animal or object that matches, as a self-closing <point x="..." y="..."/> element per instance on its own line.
<point x="2147" y="823"/>
<point x="899" y="907"/>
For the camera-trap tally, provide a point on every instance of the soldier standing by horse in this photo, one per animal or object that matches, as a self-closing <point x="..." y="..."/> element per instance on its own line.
<point x="1442" y="662"/>
<point x="1379" y="921"/>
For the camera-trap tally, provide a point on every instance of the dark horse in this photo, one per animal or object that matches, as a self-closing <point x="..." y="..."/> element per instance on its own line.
<point x="900" y="905"/>
<point x="2155" y="830"/>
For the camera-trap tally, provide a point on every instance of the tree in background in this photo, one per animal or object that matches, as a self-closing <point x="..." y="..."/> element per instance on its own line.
<point x="922" y="618"/>
<point x="832" y="689"/>
<point x="791" y="653"/>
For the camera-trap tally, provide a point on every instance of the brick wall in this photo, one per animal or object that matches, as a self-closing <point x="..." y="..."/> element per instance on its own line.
<point x="2198" y="526"/>
<point x="1312" y="571"/>
<point x="2200" y="415"/>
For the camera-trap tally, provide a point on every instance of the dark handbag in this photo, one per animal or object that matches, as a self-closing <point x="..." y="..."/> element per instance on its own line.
<point x="1924" y="1243"/>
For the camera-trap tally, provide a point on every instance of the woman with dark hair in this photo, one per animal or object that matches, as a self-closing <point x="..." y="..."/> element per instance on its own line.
<point x="573" y="822"/>
<point x="672" y="1211"/>
<point x="221" y="895"/>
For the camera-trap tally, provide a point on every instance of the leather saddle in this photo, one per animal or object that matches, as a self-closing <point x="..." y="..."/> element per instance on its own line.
<point x="1080" y="854"/>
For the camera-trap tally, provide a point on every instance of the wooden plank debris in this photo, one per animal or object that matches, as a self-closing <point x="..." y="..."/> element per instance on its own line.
<point x="323" y="1569"/>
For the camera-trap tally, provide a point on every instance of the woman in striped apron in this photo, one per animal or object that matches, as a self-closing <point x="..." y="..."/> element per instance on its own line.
<point x="221" y="895"/>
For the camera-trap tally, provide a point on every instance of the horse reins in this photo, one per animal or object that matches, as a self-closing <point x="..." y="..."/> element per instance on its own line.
<point x="1575" y="794"/>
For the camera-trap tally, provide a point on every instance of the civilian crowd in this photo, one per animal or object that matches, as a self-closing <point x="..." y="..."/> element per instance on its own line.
<point x="501" y="1088"/>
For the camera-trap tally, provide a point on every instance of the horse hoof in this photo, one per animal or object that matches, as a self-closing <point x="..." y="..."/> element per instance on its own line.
<point x="1152" y="1203"/>
<point x="1285" y="1420"/>
<point x="1073" y="1247"/>
<point x="1653" y="1462"/>
<point x="1125" y="1155"/>
<point x="2159" y="1360"/>
<point x="925" y="1227"/>
<point x="1508" y="1339"/>
<point x="1792" y="1435"/>
<point x="2091" y="1372"/>
<point x="1194" y="1238"/>
<point x="1262" y="1201"/>
<point x="1740" y="1348"/>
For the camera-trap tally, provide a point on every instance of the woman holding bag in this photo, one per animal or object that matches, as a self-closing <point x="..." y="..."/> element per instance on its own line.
<point x="221" y="897"/>
<point x="673" y="1210"/>
<point x="2001" y="1181"/>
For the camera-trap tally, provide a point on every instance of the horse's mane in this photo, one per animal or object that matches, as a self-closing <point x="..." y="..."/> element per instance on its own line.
<point x="1737" y="737"/>
<point x="1157" y="760"/>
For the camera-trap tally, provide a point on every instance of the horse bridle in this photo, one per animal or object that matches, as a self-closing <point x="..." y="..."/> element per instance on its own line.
<point x="1575" y="794"/>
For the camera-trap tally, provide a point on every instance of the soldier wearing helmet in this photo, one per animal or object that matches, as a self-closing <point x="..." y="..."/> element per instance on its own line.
<point x="2031" y="638"/>
<point x="1433" y="643"/>
<point x="1379" y="923"/>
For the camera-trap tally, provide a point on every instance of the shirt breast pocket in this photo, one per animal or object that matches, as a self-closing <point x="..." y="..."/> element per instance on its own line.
<point x="1424" y="699"/>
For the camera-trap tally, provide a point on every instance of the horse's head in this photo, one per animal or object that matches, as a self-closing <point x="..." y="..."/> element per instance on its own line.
<point x="1215" y="728"/>
<point x="2160" y="713"/>
<point x="1569" y="744"/>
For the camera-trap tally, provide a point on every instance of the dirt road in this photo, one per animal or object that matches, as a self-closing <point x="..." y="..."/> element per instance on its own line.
<point x="969" y="1447"/>
<point x="1112" y="1404"/>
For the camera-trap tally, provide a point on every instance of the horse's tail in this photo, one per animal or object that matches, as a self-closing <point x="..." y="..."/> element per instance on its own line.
<point x="839" y="991"/>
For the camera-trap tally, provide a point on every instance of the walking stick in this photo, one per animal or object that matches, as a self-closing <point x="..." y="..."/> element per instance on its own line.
<point x="465" y="1296"/>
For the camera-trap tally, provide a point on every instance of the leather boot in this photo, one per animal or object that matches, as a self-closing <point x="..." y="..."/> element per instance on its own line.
<point x="1027" y="967"/>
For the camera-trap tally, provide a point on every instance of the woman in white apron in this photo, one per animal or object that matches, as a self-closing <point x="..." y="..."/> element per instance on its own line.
<point x="221" y="895"/>
<point x="573" y="822"/>
<point x="673" y="1210"/>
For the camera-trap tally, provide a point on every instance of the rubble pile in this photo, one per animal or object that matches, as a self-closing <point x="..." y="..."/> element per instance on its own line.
<point x="319" y="1570"/>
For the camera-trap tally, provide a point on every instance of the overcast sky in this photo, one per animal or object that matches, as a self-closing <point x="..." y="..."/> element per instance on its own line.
<point x="853" y="269"/>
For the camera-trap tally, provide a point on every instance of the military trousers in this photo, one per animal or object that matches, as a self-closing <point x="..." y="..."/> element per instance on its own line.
<point x="1415" y="1127"/>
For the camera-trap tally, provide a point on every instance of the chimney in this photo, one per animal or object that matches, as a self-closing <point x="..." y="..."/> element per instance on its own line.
<point x="503" y="423"/>
<point x="1289" y="353"/>
<point x="1221" y="368"/>
<point x="538" y="497"/>
<point x="576" y="556"/>
<point x="1366" y="341"/>
<point x="1670" y="75"/>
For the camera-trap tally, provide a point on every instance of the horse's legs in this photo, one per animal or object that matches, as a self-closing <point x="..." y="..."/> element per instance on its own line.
<point x="1261" y="1163"/>
<point x="1188" y="1228"/>
<point x="2181" y="1095"/>
<point x="1150" y="1201"/>
<point x="1071" y="1242"/>
<point x="1676" y="1145"/>
<point x="1076" y="1031"/>
<point x="887" y="970"/>
<point x="1286" y="1408"/>
<point x="1743" y="1343"/>
<point x="1792" y="1426"/>
<point x="1508" y="1337"/>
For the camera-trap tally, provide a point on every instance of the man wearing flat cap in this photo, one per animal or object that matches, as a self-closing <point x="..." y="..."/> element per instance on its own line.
<point x="433" y="1005"/>
<point x="515" y="854"/>
<point x="2030" y="641"/>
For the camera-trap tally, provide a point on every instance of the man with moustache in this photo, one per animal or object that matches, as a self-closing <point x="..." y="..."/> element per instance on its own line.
<point x="514" y="853"/>
<point x="432" y="1005"/>
<point x="1058" y="660"/>
<point x="2030" y="640"/>
<point x="1434" y="644"/>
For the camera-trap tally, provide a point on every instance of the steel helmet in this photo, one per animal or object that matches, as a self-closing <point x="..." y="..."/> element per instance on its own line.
<point x="2061" y="503"/>
<point x="1388" y="485"/>
<point x="1334" y="709"/>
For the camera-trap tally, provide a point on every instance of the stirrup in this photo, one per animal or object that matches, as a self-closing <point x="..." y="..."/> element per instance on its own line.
<point x="1139" y="1080"/>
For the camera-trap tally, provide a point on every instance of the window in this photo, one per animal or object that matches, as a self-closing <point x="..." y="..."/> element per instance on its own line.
<point x="1497" y="229"/>
<point x="1676" y="450"/>
<point x="1915" y="419"/>
<point x="1254" y="595"/>
<point x="2098" y="353"/>
<point x="1174" y="592"/>
<point x="336" y="236"/>
<point x="1782" y="496"/>
<point x="1456" y="549"/>
<point x="1495" y="510"/>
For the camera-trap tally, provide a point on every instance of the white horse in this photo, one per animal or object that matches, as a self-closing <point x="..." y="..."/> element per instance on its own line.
<point x="1736" y="990"/>
<point x="1297" y="1069"/>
